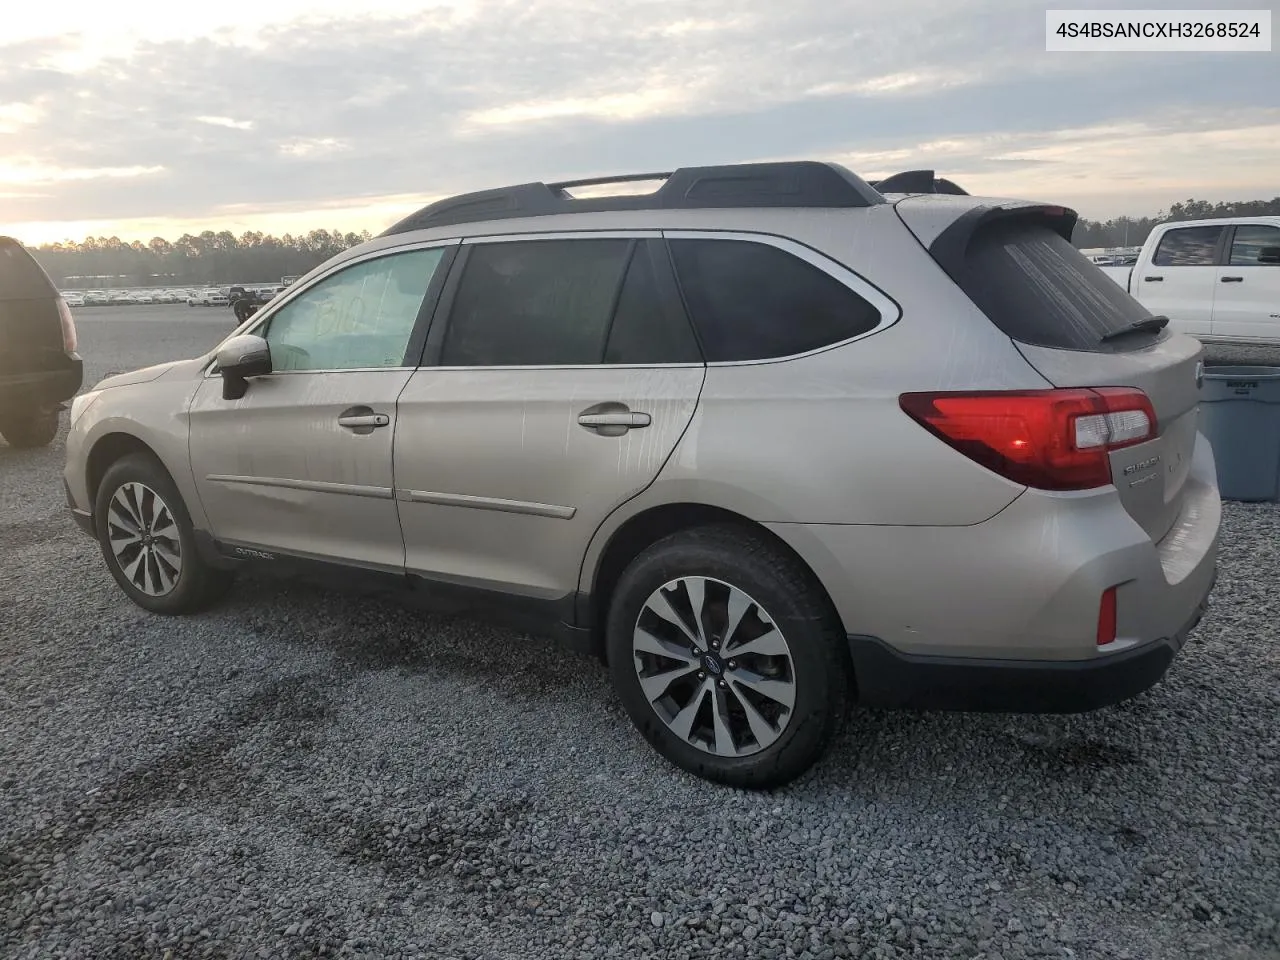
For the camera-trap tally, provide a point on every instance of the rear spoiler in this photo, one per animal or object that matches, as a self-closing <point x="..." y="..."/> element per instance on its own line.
<point x="918" y="181"/>
<point x="951" y="245"/>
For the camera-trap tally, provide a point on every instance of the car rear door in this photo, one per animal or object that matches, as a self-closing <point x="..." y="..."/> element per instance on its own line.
<point x="1247" y="302"/>
<point x="302" y="464"/>
<point x="558" y="379"/>
<point x="1181" y="279"/>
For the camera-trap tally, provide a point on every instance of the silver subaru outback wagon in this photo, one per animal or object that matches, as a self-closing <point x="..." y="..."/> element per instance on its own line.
<point x="771" y="440"/>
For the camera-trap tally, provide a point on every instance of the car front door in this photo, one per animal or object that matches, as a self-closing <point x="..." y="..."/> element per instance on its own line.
<point x="1180" y="280"/>
<point x="1247" y="305"/>
<point x="302" y="464"/>
<point x="564" y="377"/>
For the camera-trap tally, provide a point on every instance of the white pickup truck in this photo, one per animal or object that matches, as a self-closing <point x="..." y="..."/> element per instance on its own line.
<point x="1218" y="280"/>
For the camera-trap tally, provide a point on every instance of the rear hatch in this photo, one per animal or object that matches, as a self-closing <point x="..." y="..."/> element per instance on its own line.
<point x="1077" y="327"/>
<point x="31" y="334"/>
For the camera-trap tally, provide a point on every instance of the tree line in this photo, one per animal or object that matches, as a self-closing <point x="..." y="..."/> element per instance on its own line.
<point x="1132" y="231"/>
<point x="220" y="258"/>
<point x="205" y="259"/>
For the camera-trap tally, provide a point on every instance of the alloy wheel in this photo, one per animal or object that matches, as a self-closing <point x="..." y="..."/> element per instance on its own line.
<point x="144" y="539"/>
<point x="714" y="666"/>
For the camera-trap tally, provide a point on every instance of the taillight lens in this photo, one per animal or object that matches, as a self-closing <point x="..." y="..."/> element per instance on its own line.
<point x="69" y="340"/>
<point x="1048" y="439"/>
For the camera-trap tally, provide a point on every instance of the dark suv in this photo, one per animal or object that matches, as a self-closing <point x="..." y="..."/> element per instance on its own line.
<point x="39" y="367"/>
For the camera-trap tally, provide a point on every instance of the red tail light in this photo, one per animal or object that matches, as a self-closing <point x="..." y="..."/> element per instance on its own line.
<point x="1107" y="617"/>
<point x="69" y="339"/>
<point x="1049" y="439"/>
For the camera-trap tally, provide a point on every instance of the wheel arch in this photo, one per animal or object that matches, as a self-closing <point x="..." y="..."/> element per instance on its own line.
<point x="110" y="448"/>
<point x="642" y="529"/>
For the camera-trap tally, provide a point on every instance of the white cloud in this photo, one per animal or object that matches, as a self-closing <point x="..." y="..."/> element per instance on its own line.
<point x="227" y="122"/>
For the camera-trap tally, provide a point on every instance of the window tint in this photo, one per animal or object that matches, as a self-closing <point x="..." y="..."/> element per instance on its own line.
<point x="752" y="301"/>
<point x="20" y="276"/>
<point x="535" y="303"/>
<point x="1188" y="247"/>
<point x="1249" y="241"/>
<point x="1039" y="289"/>
<point x="643" y="331"/>
<point x="359" y="317"/>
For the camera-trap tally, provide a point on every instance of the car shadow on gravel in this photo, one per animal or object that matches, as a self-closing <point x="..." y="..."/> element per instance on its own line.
<point x="370" y="633"/>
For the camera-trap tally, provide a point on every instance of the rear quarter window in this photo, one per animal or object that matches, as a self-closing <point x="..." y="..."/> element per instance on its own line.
<point x="21" y="278"/>
<point x="753" y="301"/>
<point x="1040" y="290"/>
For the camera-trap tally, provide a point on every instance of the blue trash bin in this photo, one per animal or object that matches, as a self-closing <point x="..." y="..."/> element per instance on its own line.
<point x="1240" y="414"/>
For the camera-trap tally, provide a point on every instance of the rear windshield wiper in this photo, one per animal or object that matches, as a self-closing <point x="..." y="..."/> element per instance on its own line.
<point x="1145" y="325"/>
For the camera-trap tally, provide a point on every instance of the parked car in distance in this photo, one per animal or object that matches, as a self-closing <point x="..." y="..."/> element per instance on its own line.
<point x="1218" y="280"/>
<point x="208" y="298"/>
<point x="74" y="299"/>
<point x="39" y="366"/>
<point x="96" y="298"/>
<point x="770" y="440"/>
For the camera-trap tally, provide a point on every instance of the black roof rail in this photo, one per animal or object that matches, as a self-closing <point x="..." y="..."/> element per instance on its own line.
<point x="801" y="183"/>
<point x="918" y="181"/>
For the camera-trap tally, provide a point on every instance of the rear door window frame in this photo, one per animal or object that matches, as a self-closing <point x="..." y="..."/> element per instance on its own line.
<point x="1225" y="232"/>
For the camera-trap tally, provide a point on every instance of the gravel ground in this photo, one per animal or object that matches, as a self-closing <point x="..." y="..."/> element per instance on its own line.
<point x="299" y="774"/>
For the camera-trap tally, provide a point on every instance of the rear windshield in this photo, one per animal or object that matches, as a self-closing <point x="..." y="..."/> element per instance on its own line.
<point x="1037" y="288"/>
<point x="20" y="276"/>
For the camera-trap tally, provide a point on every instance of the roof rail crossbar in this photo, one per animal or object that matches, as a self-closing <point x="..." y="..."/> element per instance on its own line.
<point x="918" y="181"/>
<point x="802" y="183"/>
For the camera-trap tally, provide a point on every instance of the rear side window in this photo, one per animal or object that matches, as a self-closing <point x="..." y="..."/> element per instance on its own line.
<point x="20" y="276"/>
<point x="1250" y="240"/>
<point x="753" y="301"/>
<point x="1189" y="247"/>
<point x="573" y="302"/>
<point x="1039" y="289"/>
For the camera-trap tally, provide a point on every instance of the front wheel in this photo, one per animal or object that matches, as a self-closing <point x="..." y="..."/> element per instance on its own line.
<point x="728" y="657"/>
<point x="148" y="541"/>
<point x="29" y="429"/>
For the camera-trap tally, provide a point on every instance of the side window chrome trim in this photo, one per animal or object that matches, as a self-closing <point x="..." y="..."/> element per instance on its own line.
<point x="262" y="317"/>
<point x="888" y="308"/>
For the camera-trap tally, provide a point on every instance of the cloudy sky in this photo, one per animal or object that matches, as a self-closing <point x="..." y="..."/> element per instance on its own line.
<point x="146" y="118"/>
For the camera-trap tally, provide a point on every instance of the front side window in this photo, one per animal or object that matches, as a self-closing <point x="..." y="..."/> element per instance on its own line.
<point x="1188" y="247"/>
<point x="357" y="318"/>
<point x="1250" y="241"/>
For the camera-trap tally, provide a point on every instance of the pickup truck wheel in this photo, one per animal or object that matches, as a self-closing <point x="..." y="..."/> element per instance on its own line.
<point x="30" y="429"/>
<point x="148" y="540"/>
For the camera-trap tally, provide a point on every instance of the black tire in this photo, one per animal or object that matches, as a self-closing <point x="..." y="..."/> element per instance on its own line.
<point x="197" y="584"/>
<point x="820" y="666"/>
<point x="30" y="429"/>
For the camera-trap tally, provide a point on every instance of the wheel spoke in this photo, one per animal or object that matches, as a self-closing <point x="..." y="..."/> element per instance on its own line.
<point x="769" y="643"/>
<point x="123" y="511"/>
<point x="646" y="642"/>
<point x="682" y="723"/>
<point x="739" y="604"/>
<point x="661" y="606"/>
<point x="761" y="729"/>
<point x="696" y="588"/>
<point x="121" y="536"/>
<point x="135" y="570"/>
<point x="656" y="686"/>
<point x="724" y="742"/>
<point x="779" y="691"/>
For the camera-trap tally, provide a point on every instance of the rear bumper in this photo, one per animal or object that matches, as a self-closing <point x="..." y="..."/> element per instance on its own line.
<point x="890" y="679"/>
<point x="41" y="388"/>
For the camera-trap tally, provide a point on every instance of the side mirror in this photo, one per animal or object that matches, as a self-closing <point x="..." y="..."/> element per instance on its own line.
<point x="1269" y="255"/>
<point x="239" y="359"/>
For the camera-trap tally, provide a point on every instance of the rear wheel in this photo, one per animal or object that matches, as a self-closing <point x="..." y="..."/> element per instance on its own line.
<point x="30" y="428"/>
<point x="148" y="541"/>
<point x="728" y="657"/>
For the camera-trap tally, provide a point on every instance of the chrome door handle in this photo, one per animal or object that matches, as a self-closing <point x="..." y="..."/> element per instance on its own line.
<point x="367" y="421"/>
<point x="627" y="420"/>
